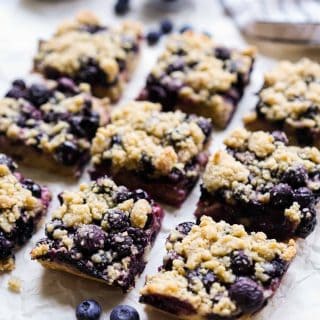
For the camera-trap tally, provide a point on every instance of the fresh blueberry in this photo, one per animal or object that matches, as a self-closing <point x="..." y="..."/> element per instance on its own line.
<point x="247" y="294"/>
<point x="90" y="238"/>
<point x="140" y="194"/>
<point x="241" y="264"/>
<point x="222" y="53"/>
<point x="276" y="268"/>
<point x="16" y="92"/>
<point x="304" y="196"/>
<point x="177" y="65"/>
<point x="67" y="153"/>
<point x="308" y="222"/>
<point x="166" y="26"/>
<point x="121" y="244"/>
<point x="280" y="136"/>
<point x="296" y="176"/>
<point x="205" y="125"/>
<point x="67" y="85"/>
<point x="5" y="160"/>
<point x="281" y="195"/>
<point x="116" y="140"/>
<point x="185" y="28"/>
<point x="88" y="310"/>
<point x="19" y="83"/>
<point x="39" y="94"/>
<point x="85" y="126"/>
<point x="185" y="227"/>
<point x="117" y="219"/>
<point x="33" y="187"/>
<point x="124" y="312"/>
<point x="139" y="237"/>
<point x="5" y="246"/>
<point x="122" y="6"/>
<point x="153" y="37"/>
<point x="123" y="194"/>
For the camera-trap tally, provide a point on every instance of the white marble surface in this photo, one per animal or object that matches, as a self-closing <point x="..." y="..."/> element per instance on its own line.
<point x="53" y="295"/>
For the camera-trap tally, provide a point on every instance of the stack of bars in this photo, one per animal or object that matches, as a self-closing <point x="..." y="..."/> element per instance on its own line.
<point x="259" y="192"/>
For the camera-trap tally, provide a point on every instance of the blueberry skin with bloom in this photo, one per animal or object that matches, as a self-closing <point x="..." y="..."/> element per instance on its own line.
<point x="166" y="26"/>
<point x="124" y="312"/>
<point x="153" y="37"/>
<point x="88" y="310"/>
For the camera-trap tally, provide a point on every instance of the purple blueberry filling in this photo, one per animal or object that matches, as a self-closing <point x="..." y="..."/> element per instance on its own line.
<point x="81" y="124"/>
<point x="108" y="242"/>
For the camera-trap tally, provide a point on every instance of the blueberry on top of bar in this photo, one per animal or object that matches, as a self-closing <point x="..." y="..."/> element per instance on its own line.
<point x="22" y="203"/>
<point x="102" y="232"/>
<point x="152" y="146"/>
<point x="197" y="76"/>
<point x="263" y="183"/>
<point x="56" y="119"/>
<point x="289" y="100"/>
<point x="88" y="51"/>
<point x="214" y="270"/>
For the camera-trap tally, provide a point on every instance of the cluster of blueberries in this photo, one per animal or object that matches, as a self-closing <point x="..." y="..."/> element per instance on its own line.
<point x="91" y="310"/>
<point x="153" y="36"/>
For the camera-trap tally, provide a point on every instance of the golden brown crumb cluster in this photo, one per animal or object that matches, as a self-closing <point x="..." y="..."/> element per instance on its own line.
<point x="84" y="39"/>
<point x="48" y="126"/>
<point x="207" y="247"/>
<point x="190" y="60"/>
<point x="140" y="133"/>
<point x="14" y="199"/>
<point x="256" y="162"/>
<point x="291" y="93"/>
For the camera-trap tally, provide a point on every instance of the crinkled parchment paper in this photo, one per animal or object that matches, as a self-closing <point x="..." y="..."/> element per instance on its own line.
<point x="54" y="295"/>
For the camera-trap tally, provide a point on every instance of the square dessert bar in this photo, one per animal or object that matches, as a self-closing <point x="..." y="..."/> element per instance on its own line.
<point x="87" y="51"/>
<point x="196" y="75"/>
<point x="102" y="232"/>
<point x="22" y="205"/>
<point x="50" y="125"/>
<point x="262" y="183"/>
<point x="217" y="271"/>
<point x="160" y="152"/>
<point x="290" y="101"/>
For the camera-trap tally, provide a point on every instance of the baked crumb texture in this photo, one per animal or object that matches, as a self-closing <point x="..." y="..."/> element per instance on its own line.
<point x="264" y="184"/>
<point x="162" y="152"/>
<point x="50" y="124"/>
<point x="290" y="100"/>
<point x="214" y="270"/>
<point x="88" y="51"/>
<point x="22" y="204"/>
<point x="15" y="284"/>
<point x="102" y="232"/>
<point x="198" y="76"/>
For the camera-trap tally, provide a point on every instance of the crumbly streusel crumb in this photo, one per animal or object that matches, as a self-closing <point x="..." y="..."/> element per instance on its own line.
<point x="140" y="134"/>
<point x="15" y="284"/>
<point x="207" y="247"/>
<point x="291" y="94"/>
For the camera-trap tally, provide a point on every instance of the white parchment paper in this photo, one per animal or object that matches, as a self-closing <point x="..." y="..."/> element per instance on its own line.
<point x="54" y="295"/>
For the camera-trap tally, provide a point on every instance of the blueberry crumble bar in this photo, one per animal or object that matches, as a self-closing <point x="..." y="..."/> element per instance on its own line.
<point x="50" y="124"/>
<point x="262" y="183"/>
<point x="22" y="204"/>
<point x="290" y="101"/>
<point x="214" y="271"/>
<point x="102" y="232"/>
<point x="160" y="152"/>
<point x="198" y="76"/>
<point x="87" y="51"/>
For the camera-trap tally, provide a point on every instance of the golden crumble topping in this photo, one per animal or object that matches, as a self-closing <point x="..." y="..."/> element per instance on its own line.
<point x="86" y="39"/>
<point x="257" y="164"/>
<point x="208" y="249"/>
<point x="291" y="94"/>
<point x="49" y="123"/>
<point x="15" y="284"/>
<point x="202" y="72"/>
<point x="102" y="230"/>
<point x="14" y="200"/>
<point x="141" y="136"/>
